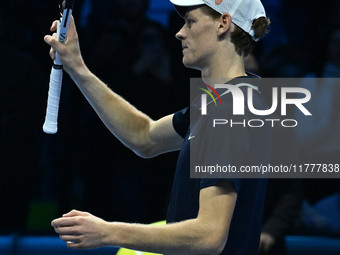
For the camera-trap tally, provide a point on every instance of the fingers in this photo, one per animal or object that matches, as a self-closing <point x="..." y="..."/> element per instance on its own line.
<point x="69" y="233"/>
<point x="72" y="30"/>
<point x="70" y="238"/>
<point x="71" y="218"/>
<point x="72" y="27"/>
<point x="52" y="54"/>
<point x="50" y="41"/>
<point x="53" y="42"/>
<point x="79" y="230"/>
<point x="74" y="245"/>
<point x="72" y="242"/>
<point x="64" y="222"/>
<point x="68" y="230"/>
<point x="75" y="213"/>
<point x="54" y="26"/>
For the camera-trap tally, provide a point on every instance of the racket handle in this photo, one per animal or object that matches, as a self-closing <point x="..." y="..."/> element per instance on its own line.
<point x="51" y="120"/>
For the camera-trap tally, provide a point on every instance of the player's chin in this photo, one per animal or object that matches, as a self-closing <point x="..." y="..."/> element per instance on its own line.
<point x="189" y="64"/>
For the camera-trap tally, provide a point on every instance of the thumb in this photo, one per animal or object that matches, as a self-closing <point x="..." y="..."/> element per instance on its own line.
<point x="56" y="46"/>
<point x="53" y="42"/>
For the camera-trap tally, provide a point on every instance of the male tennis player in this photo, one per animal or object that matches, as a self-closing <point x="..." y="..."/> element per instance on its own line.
<point x="205" y="216"/>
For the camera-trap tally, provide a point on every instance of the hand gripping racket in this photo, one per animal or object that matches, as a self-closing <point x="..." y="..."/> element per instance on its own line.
<point x="51" y="120"/>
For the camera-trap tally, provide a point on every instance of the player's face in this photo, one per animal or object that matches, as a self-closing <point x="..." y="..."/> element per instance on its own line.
<point x="198" y="36"/>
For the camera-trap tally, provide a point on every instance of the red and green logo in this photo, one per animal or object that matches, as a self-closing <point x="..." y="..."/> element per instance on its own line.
<point x="211" y="95"/>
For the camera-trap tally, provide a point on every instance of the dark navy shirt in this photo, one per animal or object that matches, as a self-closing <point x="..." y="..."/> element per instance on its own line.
<point x="239" y="146"/>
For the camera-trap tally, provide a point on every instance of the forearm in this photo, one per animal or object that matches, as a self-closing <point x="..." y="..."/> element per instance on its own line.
<point x="128" y="124"/>
<point x="205" y="234"/>
<point x="187" y="237"/>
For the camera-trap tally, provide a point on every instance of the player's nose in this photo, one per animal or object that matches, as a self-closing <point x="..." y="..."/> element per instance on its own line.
<point x="181" y="34"/>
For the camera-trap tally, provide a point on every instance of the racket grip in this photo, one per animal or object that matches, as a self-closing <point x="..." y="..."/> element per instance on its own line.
<point x="51" y="119"/>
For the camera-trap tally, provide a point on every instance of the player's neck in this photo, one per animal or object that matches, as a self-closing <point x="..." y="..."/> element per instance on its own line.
<point x="224" y="68"/>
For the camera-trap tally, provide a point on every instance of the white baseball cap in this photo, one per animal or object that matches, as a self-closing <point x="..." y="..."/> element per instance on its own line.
<point x="243" y="12"/>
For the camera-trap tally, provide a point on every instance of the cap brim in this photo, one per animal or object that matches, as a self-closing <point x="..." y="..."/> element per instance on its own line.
<point x="182" y="5"/>
<point x="187" y="2"/>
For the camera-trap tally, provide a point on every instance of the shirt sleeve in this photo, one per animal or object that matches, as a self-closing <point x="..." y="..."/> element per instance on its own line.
<point x="205" y="183"/>
<point x="181" y="121"/>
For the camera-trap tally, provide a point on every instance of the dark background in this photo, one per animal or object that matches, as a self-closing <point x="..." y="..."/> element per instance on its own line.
<point x="83" y="166"/>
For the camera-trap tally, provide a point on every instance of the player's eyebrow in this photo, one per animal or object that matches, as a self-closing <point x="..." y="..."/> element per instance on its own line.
<point x="188" y="16"/>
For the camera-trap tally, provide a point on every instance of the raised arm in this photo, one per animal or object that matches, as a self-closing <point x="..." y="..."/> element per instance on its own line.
<point x="133" y="128"/>
<point x="206" y="234"/>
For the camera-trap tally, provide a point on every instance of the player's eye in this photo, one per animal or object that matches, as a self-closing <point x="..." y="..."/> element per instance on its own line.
<point x="189" y="22"/>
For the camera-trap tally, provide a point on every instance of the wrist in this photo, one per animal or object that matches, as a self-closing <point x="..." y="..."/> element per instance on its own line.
<point x="115" y="234"/>
<point x="77" y="69"/>
<point x="81" y="76"/>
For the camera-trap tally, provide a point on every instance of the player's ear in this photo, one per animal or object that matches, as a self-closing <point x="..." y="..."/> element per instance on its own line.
<point x="224" y="24"/>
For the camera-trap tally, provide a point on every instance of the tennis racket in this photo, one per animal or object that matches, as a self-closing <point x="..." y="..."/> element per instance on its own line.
<point x="56" y="78"/>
